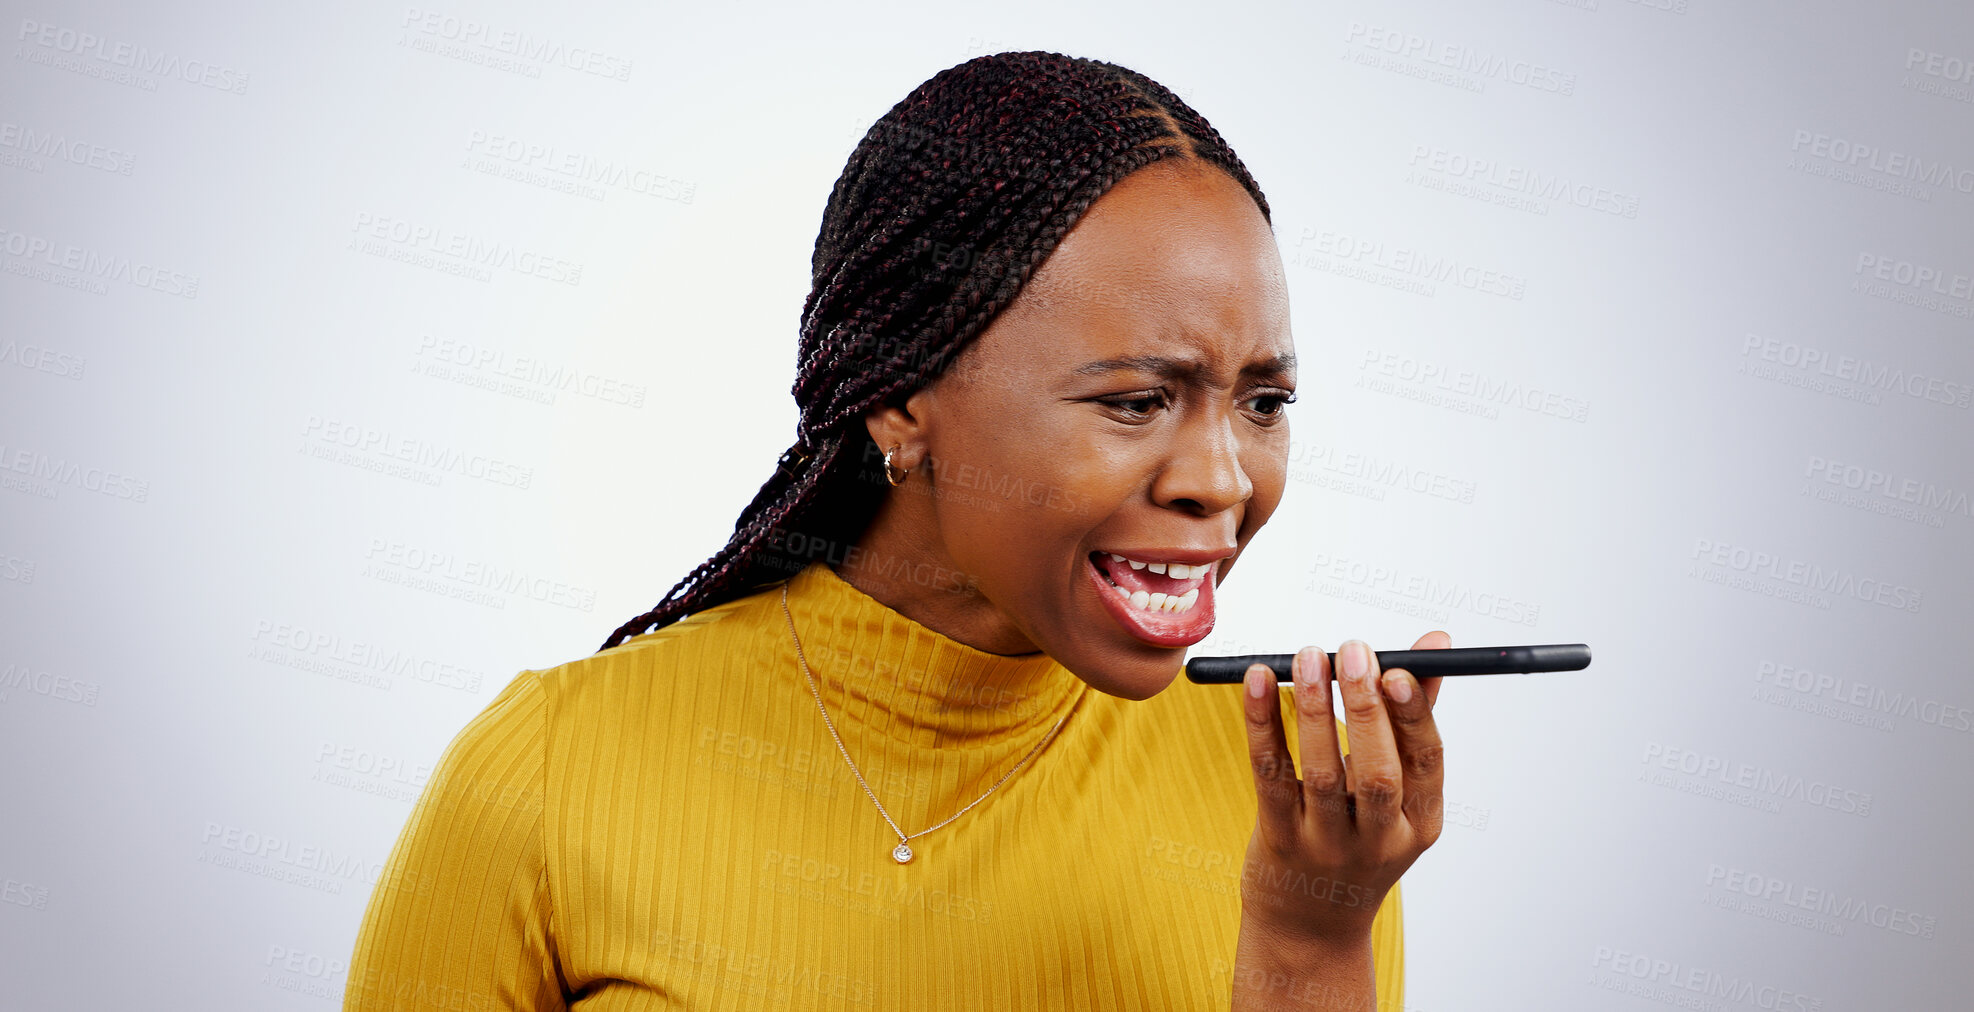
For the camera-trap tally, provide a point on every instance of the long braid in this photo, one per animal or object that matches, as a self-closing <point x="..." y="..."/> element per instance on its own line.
<point x="942" y="213"/>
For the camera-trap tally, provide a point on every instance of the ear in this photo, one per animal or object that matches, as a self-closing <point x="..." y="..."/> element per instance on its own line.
<point x="903" y="426"/>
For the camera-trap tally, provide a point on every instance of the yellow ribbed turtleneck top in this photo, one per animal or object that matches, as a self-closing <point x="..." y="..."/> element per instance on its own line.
<point x="667" y="824"/>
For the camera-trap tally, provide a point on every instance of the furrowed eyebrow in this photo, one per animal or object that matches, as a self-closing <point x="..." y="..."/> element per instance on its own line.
<point x="1180" y="367"/>
<point x="1280" y="363"/>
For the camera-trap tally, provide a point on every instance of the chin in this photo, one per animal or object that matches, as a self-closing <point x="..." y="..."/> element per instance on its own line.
<point x="1125" y="683"/>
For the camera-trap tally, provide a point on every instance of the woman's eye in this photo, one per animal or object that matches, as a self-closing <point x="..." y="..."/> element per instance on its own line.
<point x="1279" y="401"/>
<point x="1138" y="404"/>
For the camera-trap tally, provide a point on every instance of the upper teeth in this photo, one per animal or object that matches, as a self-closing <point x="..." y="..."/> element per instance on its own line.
<point x="1175" y="570"/>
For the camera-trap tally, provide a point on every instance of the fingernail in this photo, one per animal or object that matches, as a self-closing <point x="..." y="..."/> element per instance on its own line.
<point x="1396" y="687"/>
<point x="1257" y="680"/>
<point x="1305" y="665"/>
<point x="1355" y="664"/>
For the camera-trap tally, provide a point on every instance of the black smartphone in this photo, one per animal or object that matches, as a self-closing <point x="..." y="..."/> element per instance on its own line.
<point x="1421" y="663"/>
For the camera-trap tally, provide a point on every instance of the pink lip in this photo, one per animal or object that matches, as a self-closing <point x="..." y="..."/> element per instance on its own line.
<point x="1160" y="629"/>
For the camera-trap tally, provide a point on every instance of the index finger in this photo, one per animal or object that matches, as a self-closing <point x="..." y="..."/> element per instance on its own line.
<point x="1325" y="791"/>
<point x="1276" y="795"/>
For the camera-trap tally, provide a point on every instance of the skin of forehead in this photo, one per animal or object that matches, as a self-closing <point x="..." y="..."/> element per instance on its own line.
<point x="1122" y="258"/>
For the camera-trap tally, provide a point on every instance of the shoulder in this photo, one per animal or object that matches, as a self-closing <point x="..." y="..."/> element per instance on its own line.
<point x="541" y="710"/>
<point x="583" y="718"/>
<point x="659" y="670"/>
<point x="495" y="761"/>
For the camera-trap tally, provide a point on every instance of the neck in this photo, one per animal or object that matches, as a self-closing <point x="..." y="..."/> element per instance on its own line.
<point x="918" y="579"/>
<point x="883" y="672"/>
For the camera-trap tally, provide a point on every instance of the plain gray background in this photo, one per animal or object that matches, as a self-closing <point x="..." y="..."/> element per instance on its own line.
<point x="1690" y="383"/>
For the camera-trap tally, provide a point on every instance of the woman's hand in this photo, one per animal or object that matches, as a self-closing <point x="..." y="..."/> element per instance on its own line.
<point x="1330" y="842"/>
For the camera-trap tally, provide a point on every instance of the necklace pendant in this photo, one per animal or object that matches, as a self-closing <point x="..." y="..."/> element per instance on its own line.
<point x="902" y="852"/>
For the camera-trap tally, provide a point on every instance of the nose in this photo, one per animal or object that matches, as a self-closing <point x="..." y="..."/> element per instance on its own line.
<point x="1204" y="473"/>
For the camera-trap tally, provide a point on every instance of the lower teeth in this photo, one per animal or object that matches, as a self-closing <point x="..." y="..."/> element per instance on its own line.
<point x="1155" y="604"/>
<point x="1159" y="604"/>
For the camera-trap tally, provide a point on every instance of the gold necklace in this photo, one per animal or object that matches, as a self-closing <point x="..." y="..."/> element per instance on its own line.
<point x="903" y="852"/>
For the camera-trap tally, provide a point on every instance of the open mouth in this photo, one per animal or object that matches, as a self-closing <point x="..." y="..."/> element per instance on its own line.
<point x="1151" y="587"/>
<point x="1155" y="607"/>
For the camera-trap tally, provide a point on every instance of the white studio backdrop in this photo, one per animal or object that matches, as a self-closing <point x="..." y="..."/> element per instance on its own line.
<point x="1643" y="324"/>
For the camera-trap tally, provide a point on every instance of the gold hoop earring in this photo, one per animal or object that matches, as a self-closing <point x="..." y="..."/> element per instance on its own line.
<point x="900" y="479"/>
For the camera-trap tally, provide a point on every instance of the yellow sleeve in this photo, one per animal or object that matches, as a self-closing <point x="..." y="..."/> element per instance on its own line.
<point x="461" y="917"/>
<point x="1388" y="952"/>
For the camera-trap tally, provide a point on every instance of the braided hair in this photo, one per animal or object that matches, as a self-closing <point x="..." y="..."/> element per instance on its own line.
<point x="943" y="211"/>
